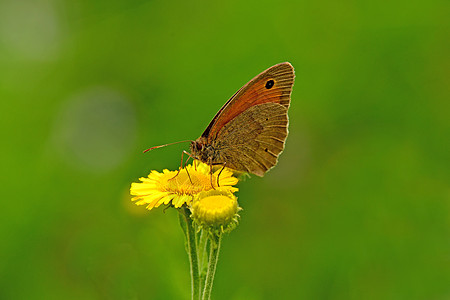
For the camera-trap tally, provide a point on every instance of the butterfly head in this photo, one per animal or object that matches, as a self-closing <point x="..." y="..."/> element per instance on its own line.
<point x="200" y="149"/>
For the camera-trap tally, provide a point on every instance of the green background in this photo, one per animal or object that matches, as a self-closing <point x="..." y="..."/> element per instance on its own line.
<point x="357" y="208"/>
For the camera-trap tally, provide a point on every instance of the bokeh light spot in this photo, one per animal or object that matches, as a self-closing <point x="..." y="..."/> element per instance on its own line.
<point x="96" y="129"/>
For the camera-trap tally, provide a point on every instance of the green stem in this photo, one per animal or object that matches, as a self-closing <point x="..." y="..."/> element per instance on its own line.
<point x="212" y="263"/>
<point x="202" y="256"/>
<point x="192" y="252"/>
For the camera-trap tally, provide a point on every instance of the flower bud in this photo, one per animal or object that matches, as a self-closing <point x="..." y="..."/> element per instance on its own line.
<point x="215" y="210"/>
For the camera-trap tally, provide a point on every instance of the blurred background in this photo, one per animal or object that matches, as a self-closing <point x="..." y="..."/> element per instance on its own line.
<point x="357" y="208"/>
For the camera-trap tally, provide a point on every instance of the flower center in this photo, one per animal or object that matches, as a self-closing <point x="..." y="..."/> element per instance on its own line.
<point x="181" y="184"/>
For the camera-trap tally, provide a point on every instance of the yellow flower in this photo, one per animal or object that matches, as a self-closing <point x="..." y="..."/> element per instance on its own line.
<point x="168" y="187"/>
<point x="215" y="210"/>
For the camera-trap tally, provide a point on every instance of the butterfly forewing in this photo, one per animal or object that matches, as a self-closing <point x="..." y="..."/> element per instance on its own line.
<point x="272" y="85"/>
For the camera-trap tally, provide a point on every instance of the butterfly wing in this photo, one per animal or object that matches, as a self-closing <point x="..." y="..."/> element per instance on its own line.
<point x="253" y="140"/>
<point x="274" y="85"/>
<point x="249" y="131"/>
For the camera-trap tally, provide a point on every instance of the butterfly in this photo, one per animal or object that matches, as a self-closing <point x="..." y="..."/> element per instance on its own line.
<point x="248" y="133"/>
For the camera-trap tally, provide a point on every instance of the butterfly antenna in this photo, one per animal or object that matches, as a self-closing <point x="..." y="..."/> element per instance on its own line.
<point x="160" y="146"/>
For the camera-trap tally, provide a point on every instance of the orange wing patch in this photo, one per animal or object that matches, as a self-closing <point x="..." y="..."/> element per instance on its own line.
<point x="273" y="85"/>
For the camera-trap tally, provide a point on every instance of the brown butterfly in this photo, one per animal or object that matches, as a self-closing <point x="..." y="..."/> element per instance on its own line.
<point x="248" y="133"/>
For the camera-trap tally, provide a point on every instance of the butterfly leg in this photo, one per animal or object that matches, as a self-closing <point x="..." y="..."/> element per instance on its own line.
<point x="210" y="164"/>
<point x="211" y="176"/>
<point x="189" y="156"/>
<point x="181" y="165"/>
<point x="218" y="176"/>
